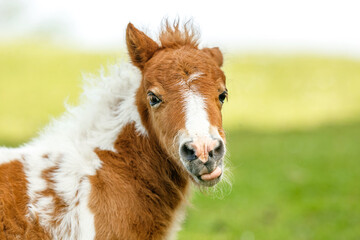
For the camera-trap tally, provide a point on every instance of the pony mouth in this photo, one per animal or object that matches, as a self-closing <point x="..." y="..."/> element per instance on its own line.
<point x="210" y="179"/>
<point x="205" y="178"/>
<point x="213" y="175"/>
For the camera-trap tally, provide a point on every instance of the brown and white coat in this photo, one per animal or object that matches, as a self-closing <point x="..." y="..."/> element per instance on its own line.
<point x="117" y="167"/>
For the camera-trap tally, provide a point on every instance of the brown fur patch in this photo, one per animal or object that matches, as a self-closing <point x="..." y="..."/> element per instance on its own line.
<point x="13" y="205"/>
<point x="59" y="205"/>
<point x="137" y="191"/>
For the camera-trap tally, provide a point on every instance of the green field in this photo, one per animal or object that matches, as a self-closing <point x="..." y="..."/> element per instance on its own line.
<point x="293" y="127"/>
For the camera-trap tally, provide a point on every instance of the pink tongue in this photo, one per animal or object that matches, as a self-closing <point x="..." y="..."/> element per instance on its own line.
<point x="210" y="176"/>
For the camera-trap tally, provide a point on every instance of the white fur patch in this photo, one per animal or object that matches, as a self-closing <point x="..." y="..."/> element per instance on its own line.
<point x="194" y="77"/>
<point x="7" y="155"/>
<point x="197" y="121"/>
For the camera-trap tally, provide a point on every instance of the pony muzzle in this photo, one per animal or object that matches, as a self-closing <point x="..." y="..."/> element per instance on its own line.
<point x="203" y="158"/>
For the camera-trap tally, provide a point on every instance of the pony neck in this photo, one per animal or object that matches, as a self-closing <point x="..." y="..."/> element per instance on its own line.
<point x="138" y="179"/>
<point x="150" y="156"/>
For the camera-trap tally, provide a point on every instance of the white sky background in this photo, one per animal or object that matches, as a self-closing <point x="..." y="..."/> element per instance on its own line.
<point x="324" y="26"/>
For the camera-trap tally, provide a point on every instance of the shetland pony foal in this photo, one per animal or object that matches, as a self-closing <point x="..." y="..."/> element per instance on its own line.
<point x="119" y="165"/>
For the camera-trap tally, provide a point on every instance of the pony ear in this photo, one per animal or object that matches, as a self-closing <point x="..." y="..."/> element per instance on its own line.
<point x="140" y="47"/>
<point x="216" y="54"/>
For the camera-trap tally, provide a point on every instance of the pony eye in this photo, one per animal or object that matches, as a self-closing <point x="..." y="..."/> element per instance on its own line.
<point x="153" y="99"/>
<point x="222" y="97"/>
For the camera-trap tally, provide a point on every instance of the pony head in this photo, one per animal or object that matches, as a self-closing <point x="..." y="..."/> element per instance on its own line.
<point x="180" y="98"/>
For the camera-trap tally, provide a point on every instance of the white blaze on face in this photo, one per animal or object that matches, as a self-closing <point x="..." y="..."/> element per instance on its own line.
<point x="196" y="117"/>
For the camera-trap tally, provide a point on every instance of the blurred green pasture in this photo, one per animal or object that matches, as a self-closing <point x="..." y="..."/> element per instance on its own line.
<point x="293" y="126"/>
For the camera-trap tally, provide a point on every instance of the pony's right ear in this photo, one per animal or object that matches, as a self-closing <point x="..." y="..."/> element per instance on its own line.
<point x="140" y="47"/>
<point x="216" y="54"/>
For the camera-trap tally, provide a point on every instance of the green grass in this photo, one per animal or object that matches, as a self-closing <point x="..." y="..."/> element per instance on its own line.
<point x="293" y="126"/>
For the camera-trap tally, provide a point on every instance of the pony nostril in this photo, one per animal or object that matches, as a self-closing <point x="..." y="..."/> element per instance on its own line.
<point x="211" y="154"/>
<point x="219" y="150"/>
<point x="188" y="153"/>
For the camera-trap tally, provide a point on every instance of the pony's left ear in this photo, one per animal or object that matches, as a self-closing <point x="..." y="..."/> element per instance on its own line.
<point x="140" y="47"/>
<point x="216" y="54"/>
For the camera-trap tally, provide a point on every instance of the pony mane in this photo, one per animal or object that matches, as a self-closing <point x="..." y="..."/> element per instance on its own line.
<point x="106" y="105"/>
<point x="175" y="36"/>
